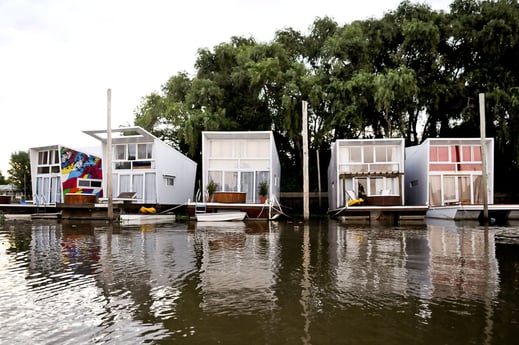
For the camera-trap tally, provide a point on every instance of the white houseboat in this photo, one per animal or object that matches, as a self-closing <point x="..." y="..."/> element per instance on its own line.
<point x="147" y="168"/>
<point x="365" y="172"/>
<point x="445" y="174"/>
<point x="238" y="162"/>
<point x="58" y="170"/>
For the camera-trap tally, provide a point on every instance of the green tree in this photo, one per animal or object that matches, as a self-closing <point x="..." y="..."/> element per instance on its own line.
<point x="2" y="178"/>
<point x="20" y="172"/>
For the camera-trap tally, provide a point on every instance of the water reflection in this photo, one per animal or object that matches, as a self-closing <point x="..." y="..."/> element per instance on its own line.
<point x="267" y="282"/>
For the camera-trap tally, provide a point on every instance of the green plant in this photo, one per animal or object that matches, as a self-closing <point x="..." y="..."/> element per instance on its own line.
<point x="211" y="187"/>
<point x="263" y="188"/>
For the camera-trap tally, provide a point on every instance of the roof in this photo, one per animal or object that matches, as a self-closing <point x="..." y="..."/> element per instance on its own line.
<point x="123" y="135"/>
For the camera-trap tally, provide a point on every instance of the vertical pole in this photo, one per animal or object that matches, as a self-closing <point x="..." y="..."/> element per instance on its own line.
<point x="483" y="155"/>
<point x="319" y="176"/>
<point x="306" y="206"/>
<point x="108" y="157"/>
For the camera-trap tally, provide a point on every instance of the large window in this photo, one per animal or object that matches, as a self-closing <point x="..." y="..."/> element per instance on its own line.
<point x="133" y="156"/>
<point x="48" y="161"/>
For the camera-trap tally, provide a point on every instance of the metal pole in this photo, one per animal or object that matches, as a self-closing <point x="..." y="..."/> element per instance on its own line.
<point x="306" y="206"/>
<point x="483" y="155"/>
<point x="108" y="157"/>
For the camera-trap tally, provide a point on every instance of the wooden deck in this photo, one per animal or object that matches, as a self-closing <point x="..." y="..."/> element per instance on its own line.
<point x="393" y="214"/>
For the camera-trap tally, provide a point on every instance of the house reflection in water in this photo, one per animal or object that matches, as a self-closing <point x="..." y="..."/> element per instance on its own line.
<point x="440" y="262"/>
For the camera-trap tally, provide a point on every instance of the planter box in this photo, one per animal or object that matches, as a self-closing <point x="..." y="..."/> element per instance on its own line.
<point x="229" y="197"/>
<point x="5" y="199"/>
<point x="80" y="199"/>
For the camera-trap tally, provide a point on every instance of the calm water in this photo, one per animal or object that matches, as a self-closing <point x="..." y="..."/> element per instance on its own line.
<point x="257" y="283"/>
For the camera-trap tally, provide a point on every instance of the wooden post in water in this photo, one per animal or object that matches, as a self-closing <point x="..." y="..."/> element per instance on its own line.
<point x="484" y="182"/>
<point x="306" y="201"/>
<point x="108" y="157"/>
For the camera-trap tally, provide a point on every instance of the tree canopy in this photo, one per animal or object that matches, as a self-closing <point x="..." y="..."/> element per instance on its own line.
<point x="20" y="172"/>
<point x="414" y="73"/>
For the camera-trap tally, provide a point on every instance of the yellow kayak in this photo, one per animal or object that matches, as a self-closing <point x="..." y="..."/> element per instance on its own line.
<point x="147" y="210"/>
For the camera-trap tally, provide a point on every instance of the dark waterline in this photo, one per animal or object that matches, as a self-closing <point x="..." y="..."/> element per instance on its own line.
<point x="327" y="282"/>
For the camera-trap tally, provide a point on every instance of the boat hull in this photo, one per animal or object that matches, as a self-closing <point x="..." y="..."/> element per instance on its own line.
<point x="221" y="216"/>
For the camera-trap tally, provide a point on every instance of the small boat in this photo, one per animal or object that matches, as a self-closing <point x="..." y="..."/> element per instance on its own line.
<point x="128" y="219"/>
<point x="221" y="216"/>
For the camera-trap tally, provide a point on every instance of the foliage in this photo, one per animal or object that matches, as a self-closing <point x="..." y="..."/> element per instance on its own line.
<point x="2" y="179"/>
<point x="414" y="73"/>
<point x="211" y="187"/>
<point x="20" y="172"/>
<point x="263" y="188"/>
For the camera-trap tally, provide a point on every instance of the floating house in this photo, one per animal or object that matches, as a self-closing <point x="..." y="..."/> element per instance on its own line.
<point x="366" y="172"/>
<point x="446" y="176"/>
<point x="58" y="170"/>
<point x="238" y="162"/>
<point x="442" y="171"/>
<point x="147" y="168"/>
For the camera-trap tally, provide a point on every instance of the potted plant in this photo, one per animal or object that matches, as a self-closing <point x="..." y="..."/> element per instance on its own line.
<point x="263" y="191"/>
<point x="211" y="188"/>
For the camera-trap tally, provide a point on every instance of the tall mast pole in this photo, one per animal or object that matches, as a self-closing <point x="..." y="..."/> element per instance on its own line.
<point x="108" y="157"/>
<point x="306" y="203"/>
<point x="483" y="155"/>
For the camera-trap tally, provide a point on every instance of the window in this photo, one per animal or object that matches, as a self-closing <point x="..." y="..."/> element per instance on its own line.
<point x="170" y="180"/>
<point x="48" y="161"/>
<point x="89" y="183"/>
<point x="133" y="156"/>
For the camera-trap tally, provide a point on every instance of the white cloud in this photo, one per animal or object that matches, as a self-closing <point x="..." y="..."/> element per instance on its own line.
<point x="60" y="57"/>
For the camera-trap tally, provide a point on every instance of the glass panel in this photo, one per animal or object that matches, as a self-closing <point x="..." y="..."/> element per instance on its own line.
<point x="258" y="149"/>
<point x="247" y="185"/>
<point x="43" y="157"/>
<point x="138" y="186"/>
<point x="434" y="190"/>
<point x="141" y="151"/>
<point x="221" y="149"/>
<point x="355" y="154"/>
<point x="380" y="154"/>
<point x="362" y="188"/>
<point x="230" y="181"/>
<point x="124" y="184"/>
<point x="115" y="185"/>
<point x="120" y="152"/>
<point x="368" y="154"/>
<point x="443" y="154"/>
<point x="150" y="191"/>
<point x="132" y="152"/>
<point x="477" y="153"/>
<point x="149" y="151"/>
<point x="56" y="157"/>
<point x="123" y="165"/>
<point x="433" y="154"/>
<point x="216" y="177"/>
<point x="449" y="188"/>
<point x="455" y="153"/>
<point x="478" y="191"/>
<point x="466" y="154"/>
<point x="261" y="176"/>
<point x="464" y="189"/>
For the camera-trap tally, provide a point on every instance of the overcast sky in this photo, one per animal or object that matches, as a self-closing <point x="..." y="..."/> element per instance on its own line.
<point x="59" y="57"/>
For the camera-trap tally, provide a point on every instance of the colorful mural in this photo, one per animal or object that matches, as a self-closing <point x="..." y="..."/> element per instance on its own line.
<point x="81" y="173"/>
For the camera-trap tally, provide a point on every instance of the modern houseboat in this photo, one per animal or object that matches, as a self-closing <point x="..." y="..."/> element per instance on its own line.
<point x="59" y="170"/>
<point x="446" y="174"/>
<point x="236" y="164"/>
<point x="148" y="169"/>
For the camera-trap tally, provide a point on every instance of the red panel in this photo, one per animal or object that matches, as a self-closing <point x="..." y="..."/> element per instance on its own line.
<point x="443" y="154"/>
<point x="470" y="167"/>
<point x="442" y="167"/>
<point x="477" y="153"/>
<point x="433" y="153"/>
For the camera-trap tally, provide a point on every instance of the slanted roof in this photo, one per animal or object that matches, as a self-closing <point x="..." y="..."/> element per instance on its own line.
<point x="123" y="135"/>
